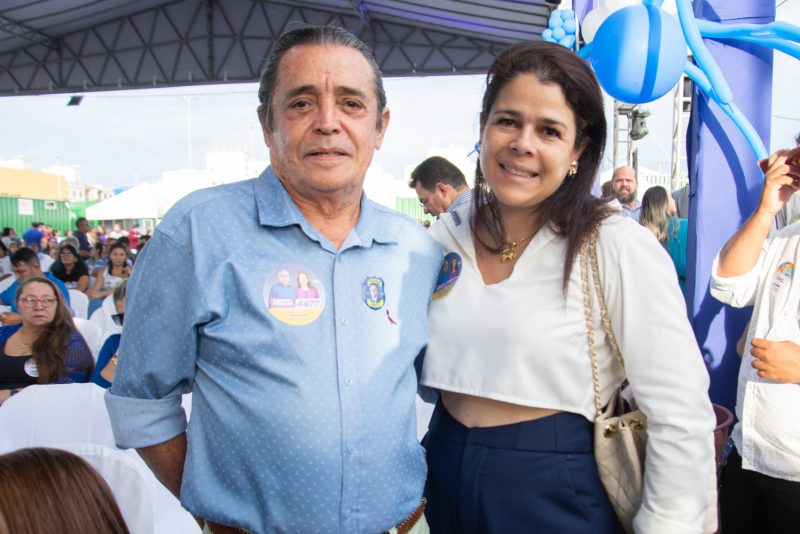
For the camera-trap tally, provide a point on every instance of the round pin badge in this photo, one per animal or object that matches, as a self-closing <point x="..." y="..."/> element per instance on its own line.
<point x="448" y="275"/>
<point x="373" y="292"/>
<point x="30" y="369"/>
<point x="294" y="295"/>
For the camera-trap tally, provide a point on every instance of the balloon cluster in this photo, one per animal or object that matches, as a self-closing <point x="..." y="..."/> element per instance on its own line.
<point x="561" y="28"/>
<point x="639" y="52"/>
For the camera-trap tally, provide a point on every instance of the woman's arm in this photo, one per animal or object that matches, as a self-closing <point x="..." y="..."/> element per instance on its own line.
<point x="83" y="283"/>
<point x="667" y="375"/>
<point x="97" y="292"/>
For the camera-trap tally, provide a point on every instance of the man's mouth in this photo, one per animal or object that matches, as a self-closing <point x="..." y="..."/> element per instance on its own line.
<point x="327" y="152"/>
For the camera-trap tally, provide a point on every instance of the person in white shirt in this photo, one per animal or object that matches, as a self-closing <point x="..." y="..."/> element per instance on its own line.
<point x="509" y="447"/>
<point x="760" y="484"/>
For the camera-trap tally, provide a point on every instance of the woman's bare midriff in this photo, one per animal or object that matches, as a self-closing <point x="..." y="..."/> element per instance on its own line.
<point x="480" y="412"/>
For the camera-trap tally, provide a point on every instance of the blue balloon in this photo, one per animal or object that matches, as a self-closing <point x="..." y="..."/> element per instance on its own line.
<point x="568" y="41"/>
<point x="559" y="34"/>
<point x="567" y="14"/>
<point x="547" y="35"/>
<point x="638" y="53"/>
<point x="555" y="22"/>
<point x="569" y="26"/>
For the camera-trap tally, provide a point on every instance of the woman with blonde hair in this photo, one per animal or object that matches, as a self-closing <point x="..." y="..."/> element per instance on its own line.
<point x="45" y="348"/>
<point x="50" y="490"/>
<point x="658" y="216"/>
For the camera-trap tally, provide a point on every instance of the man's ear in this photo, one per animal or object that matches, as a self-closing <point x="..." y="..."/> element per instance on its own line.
<point x="385" y="116"/>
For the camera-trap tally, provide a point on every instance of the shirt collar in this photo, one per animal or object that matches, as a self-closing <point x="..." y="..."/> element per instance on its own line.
<point x="276" y="208"/>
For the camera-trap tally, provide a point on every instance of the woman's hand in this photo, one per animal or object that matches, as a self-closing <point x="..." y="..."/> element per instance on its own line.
<point x="777" y="360"/>
<point x="10" y="318"/>
<point x="126" y="270"/>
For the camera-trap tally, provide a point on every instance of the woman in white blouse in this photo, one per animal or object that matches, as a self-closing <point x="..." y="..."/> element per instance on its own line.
<point x="509" y="447"/>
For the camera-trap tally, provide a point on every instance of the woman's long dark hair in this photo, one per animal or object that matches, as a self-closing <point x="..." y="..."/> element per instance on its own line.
<point x="49" y="347"/>
<point x="571" y="211"/>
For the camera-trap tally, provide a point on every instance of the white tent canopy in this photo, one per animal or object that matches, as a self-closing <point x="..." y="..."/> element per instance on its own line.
<point x="143" y="201"/>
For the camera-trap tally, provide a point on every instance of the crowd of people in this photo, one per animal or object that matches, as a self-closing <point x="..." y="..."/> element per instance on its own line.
<point x="303" y="415"/>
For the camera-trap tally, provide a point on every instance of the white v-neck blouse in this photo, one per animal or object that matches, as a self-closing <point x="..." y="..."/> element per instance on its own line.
<point x="522" y="341"/>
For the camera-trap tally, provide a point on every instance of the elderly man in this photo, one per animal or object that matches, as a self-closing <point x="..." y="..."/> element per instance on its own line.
<point x="624" y="185"/>
<point x="440" y="186"/>
<point x="303" y="417"/>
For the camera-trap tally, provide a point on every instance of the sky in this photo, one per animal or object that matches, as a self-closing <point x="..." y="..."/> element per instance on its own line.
<point x="124" y="137"/>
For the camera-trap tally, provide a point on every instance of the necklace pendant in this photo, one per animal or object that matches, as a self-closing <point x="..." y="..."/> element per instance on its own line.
<point x="507" y="254"/>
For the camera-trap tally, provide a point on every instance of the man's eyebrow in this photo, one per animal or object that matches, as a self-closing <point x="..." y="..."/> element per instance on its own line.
<point x="342" y="89"/>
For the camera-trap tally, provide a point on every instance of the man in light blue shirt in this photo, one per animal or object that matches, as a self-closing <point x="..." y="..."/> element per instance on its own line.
<point x="303" y="416"/>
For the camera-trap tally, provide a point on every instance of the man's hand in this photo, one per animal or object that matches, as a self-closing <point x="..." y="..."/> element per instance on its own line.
<point x="777" y="360"/>
<point x="10" y="318"/>
<point x="781" y="179"/>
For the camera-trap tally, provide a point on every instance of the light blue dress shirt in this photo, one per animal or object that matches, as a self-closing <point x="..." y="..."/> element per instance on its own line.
<point x="294" y="427"/>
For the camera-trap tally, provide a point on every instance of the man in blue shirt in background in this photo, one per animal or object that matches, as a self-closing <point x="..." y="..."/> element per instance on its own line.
<point x="303" y="416"/>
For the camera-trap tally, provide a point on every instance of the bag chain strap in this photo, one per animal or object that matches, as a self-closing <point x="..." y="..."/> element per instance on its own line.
<point x="589" y="248"/>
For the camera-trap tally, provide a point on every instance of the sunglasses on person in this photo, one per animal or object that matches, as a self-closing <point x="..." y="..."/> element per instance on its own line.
<point x="30" y="302"/>
<point x="117" y="318"/>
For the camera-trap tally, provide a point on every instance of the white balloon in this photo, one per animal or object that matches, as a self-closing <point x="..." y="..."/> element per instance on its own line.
<point x="592" y="21"/>
<point x="616" y="5"/>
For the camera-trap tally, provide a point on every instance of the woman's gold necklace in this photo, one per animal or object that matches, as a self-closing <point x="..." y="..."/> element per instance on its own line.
<point x="509" y="250"/>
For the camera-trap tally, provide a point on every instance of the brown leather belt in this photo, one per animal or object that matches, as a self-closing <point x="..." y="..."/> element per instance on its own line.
<point x="408" y="523"/>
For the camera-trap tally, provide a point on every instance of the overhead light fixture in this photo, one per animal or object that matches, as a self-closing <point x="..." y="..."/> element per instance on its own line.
<point x="75" y="100"/>
<point x="638" y="126"/>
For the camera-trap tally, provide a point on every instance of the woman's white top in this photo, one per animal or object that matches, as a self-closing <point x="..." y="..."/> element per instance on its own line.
<point x="522" y="341"/>
<point x="111" y="282"/>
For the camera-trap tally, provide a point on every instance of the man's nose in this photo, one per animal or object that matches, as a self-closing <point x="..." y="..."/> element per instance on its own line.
<point x="327" y="119"/>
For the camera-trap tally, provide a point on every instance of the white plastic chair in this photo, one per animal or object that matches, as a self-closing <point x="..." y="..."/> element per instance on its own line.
<point x="91" y="333"/>
<point x="57" y="414"/>
<point x="46" y="415"/>
<point x="79" y="303"/>
<point x="102" y="318"/>
<point x="128" y="480"/>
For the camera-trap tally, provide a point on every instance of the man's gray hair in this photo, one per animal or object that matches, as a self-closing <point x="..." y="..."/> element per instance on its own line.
<point x="313" y="35"/>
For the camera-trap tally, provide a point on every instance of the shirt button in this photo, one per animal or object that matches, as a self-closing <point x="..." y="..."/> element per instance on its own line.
<point x="351" y="450"/>
<point x="348" y="382"/>
<point x="347" y="513"/>
<point x="345" y="321"/>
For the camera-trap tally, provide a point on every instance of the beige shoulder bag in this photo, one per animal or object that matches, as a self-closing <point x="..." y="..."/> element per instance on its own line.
<point x="620" y="434"/>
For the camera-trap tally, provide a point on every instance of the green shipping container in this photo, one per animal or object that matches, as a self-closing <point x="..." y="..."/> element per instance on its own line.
<point x="412" y="208"/>
<point x="19" y="213"/>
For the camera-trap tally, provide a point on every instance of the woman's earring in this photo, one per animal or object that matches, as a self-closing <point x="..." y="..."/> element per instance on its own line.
<point x="573" y="169"/>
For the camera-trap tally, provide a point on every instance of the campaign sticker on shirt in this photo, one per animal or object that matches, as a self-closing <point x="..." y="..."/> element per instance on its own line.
<point x="448" y="275"/>
<point x="373" y="292"/>
<point x="783" y="273"/>
<point x="30" y="369"/>
<point x="294" y="295"/>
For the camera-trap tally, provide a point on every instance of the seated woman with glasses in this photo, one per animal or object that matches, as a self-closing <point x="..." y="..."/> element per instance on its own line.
<point x="70" y="269"/>
<point x="45" y="348"/>
<point x="103" y="374"/>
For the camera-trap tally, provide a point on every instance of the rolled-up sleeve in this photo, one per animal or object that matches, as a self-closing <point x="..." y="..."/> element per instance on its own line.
<point x="737" y="291"/>
<point x="669" y="381"/>
<point x="157" y="353"/>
